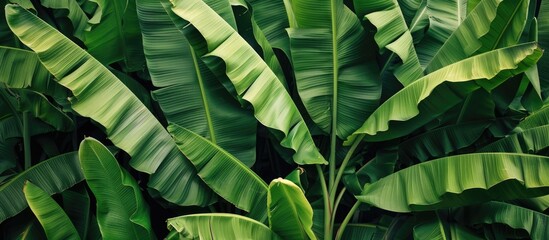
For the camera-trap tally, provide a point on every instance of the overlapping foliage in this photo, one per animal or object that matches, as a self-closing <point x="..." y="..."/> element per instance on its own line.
<point x="274" y="119"/>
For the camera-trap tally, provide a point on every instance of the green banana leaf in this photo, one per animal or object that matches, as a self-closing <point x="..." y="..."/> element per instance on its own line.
<point x="516" y="217"/>
<point x="122" y="213"/>
<point x="53" y="176"/>
<point x="39" y="107"/>
<point x="220" y="226"/>
<point x="540" y="204"/>
<point x="492" y="24"/>
<point x="358" y="231"/>
<point x="209" y="110"/>
<point x="432" y="95"/>
<point x="443" y="18"/>
<point x="72" y="11"/>
<point x="460" y="180"/>
<point x="336" y="76"/>
<point x="22" y="69"/>
<point x="530" y="141"/>
<point x="118" y="21"/>
<point x="394" y="35"/>
<point x="255" y="82"/>
<point x="543" y="34"/>
<point x="290" y="214"/>
<point x="471" y="4"/>
<point x="53" y="219"/>
<point x="220" y="169"/>
<point x="536" y="119"/>
<point x="101" y="96"/>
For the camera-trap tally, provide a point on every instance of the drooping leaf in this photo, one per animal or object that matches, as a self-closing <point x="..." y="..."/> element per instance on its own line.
<point x="492" y="24"/>
<point x="460" y="180"/>
<point x="220" y="169"/>
<point x="115" y="35"/>
<point x="432" y="95"/>
<point x="122" y="213"/>
<point x="209" y="110"/>
<point x="53" y="176"/>
<point x="53" y="219"/>
<point x="100" y="95"/>
<point x="503" y="213"/>
<point x="220" y="226"/>
<point x="250" y="76"/>
<point x="290" y="214"/>
<point x="393" y="35"/>
<point x="336" y="76"/>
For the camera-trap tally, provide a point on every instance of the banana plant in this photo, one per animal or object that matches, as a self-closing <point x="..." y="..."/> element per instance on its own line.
<point x="274" y="119"/>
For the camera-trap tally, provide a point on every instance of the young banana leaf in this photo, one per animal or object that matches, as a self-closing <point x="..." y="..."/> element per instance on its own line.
<point x="122" y="213"/>
<point x="54" y="220"/>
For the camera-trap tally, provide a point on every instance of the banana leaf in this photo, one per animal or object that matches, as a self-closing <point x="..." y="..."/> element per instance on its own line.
<point x="76" y="203"/>
<point x="101" y="96"/>
<point x="460" y="180"/>
<point x="536" y="119"/>
<point x="72" y="11"/>
<point x="220" y="169"/>
<point x="209" y="110"/>
<point x="271" y="18"/>
<point x="516" y="217"/>
<point x="290" y="214"/>
<point x="220" y="226"/>
<point x="39" y="107"/>
<point x="114" y="34"/>
<point x="252" y="79"/>
<point x="53" y="219"/>
<point x="529" y="141"/>
<point x="122" y="213"/>
<point x="394" y="35"/>
<point x="53" y="176"/>
<point x="432" y="95"/>
<point x="336" y="76"/>
<point x="492" y="24"/>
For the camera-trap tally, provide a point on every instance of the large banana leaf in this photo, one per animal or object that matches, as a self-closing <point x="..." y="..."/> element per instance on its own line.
<point x="432" y="95"/>
<point x="516" y="217"/>
<point x="492" y="24"/>
<point x="394" y="35"/>
<point x="460" y="180"/>
<point x="53" y="176"/>
<point x="336" y="77"/>
<point x="250" y="76"/>
<point x="122" y="213"/>
<point x="54" y="220"/>
<point x="220" y="226"/>
<point x="101" y="96"/>
<point x="290" y="214"/>
<point x="115" y="35"/>
<point x="220" y="169"/>
<point x="530" y="141"/>
<point x="209" y="110"/>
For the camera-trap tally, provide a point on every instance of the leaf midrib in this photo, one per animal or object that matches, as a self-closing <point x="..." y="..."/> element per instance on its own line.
<point x="205" y="102"/>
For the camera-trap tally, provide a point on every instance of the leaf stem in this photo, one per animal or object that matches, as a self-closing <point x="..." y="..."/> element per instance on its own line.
<point x="336" y="205"/>
<point x="327" y="211"/>
<point x="333" y="134"/>
<point x="348" y="156"/>
<point x="346" y="220"/>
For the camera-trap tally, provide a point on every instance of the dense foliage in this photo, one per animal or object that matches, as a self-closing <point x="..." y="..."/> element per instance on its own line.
<point x="274" y="119"/>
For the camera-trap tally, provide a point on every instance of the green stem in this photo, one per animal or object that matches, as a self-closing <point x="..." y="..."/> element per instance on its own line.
<point x="327" y="211"/>
<point x="346" y="220"/>
<point x="348" y="156"/>
<point x="336" y="205"/>
<point x="26" y="140"/>
<point x="333" y="141"/>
